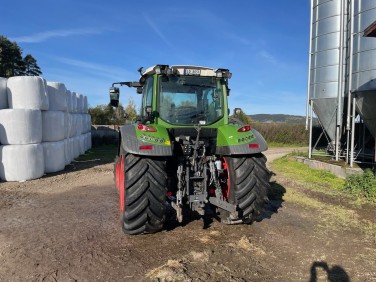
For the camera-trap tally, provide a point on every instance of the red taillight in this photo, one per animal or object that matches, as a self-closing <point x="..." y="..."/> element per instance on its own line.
<point x="254" y="146"/>
<point x="146" y="128"/>
<point x="146" y="147"/>
<point x="244" y="128"/>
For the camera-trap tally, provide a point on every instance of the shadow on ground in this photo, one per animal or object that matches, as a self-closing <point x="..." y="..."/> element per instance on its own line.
<point x="275" y="195"/>
<point x="334" y="274"/>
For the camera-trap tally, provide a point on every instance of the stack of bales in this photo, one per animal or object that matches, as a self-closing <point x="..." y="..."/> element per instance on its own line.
<point x="37" y="135"/>
<point x="78" y="131"/>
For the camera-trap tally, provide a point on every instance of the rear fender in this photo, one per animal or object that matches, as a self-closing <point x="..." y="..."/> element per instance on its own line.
<point x="139" y="142"/>
<point x="232" y="142"/>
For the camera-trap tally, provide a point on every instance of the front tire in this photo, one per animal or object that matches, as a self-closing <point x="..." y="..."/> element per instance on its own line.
<point x="143" y="194"/>
<point x="247" y="184"/>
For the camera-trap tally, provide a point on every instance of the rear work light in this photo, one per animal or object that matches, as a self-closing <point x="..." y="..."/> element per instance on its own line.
<point x="146" y="128"/>
<point x="244" y="128"/>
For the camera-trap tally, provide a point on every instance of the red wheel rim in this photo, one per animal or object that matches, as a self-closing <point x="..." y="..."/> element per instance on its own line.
<point x="119" y="179"/>
<point x="225" y="186"/>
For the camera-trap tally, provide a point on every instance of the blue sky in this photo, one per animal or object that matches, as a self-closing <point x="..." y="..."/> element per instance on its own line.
<point x="89" y="44"/>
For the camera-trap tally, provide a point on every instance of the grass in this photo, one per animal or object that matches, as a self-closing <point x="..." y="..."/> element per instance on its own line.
<point x="105" y="153"/>
<point x="307" y="176"/>
<point x="362" y="187"/>
<point x="331" y="215"/>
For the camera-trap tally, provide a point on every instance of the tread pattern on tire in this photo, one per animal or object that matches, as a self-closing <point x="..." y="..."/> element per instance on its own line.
<point x="249" y="180"/>
<point x="145" y="194"/>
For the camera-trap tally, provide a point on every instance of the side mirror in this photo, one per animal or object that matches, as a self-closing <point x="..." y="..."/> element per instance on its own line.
<point x="237" y="111"/>
<point x="148" y="110"/>
<point x="139" y="90"/>
<point x="114" y="96"/>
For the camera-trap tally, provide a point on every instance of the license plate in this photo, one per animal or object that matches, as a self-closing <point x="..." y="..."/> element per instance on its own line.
<point x="192" y="72"/>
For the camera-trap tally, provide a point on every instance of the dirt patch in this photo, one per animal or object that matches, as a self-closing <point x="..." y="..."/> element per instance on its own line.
<point x="65" y="227"/>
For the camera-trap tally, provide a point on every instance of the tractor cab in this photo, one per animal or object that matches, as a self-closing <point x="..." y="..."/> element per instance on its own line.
<point x="180" y="95"/>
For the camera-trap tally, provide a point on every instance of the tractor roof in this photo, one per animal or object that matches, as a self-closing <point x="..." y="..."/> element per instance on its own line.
<point x="187" y="70"/>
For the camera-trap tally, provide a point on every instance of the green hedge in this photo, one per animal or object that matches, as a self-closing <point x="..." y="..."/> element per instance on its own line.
<point x="362" y="184"/>
<point x="282" y="133"/>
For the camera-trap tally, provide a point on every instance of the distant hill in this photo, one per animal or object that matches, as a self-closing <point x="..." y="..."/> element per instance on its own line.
<point x="278" y="118"/>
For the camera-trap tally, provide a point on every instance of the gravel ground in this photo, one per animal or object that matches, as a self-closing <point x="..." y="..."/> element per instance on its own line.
<point x="66" y="227"/>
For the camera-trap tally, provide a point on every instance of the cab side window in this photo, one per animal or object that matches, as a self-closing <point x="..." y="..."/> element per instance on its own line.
<point x="147" y="95"/>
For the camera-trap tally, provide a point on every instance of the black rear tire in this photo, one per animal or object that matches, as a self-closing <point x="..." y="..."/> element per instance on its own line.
<point x="248" y="184"/>
<point x="145" y="192"/>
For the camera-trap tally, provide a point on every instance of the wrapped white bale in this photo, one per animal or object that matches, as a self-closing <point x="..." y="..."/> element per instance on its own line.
<point x="84" y="123"/>
<point x="80" y="124"/>
<point x="88" y="141"/>
<point x="86" y="105"/>
<point x="76" y="146"/>
<point x="82" y="144"/>
<point x="71" y="125"/>
<point x="77" y="124"/>
<point x="77" y="121"/>
<point x="53" y="126"/>
<point x="71" y="150"/>
<point x="67" y="154"/>
<point x="21" y="162"/>
<point x="20" y="126"/>
<point x="74" y="102"/>
<point x="3" y="93"/>
<point x="27" y="92"/>
<point x="87" y="123"/>
<point x="73" y="131"/>
<point x="80" y="103"/>
<point x="82" y="98"/>
<point x="69" y="102"/>
<point x="54" y="156"/>
<point x="57" y="96"/>
<point x="67" y="125"/>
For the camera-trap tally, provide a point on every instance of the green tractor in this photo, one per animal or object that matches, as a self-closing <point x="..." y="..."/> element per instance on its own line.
<point x="186" y="152"/>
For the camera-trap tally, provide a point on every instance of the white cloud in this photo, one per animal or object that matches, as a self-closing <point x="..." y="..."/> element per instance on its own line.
<point x="94" y="87"/>
<point x="43" y="36"/>
<point x="98" y="69"/>
<point x="91" y="79"/>
<point x="268" y="57"/>
<point x="158" y="31"/>
<point x="239" y="39"/>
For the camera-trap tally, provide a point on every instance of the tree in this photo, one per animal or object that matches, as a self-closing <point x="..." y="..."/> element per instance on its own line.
<point x="99" y="115"/>
<point x="240" y="118"/>
<point x="31" y="66"/>
<point x="12" y="63"/>
<point x="107" y="115"/>
<point x="130" y="110"/>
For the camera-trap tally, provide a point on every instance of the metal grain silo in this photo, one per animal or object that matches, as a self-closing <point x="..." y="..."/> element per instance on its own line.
<point x="327" y="68"/>
<point x="363" y="80"/>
